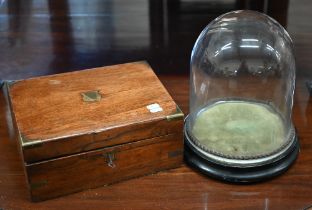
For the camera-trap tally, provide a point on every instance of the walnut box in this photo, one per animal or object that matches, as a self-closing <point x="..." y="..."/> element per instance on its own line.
<point x="90" y="128"/>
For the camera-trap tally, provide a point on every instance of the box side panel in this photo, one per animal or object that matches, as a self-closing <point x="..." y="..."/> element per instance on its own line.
<point x="114" y="136"/>
<point x="62" y="176"/>
<point x="14" y="133"/>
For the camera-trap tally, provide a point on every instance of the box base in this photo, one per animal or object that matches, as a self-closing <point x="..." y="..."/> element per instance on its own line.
<point x="66" y="175"/>
<point x="239" y="174"/>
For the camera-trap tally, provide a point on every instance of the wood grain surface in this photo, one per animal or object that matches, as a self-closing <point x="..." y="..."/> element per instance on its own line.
<point x="45" y="37"/>
<point x="51" y="110"/>
<point x="50" y="107"/>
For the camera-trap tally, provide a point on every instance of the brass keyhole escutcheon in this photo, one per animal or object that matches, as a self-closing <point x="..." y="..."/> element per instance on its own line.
<point x="110" y="158"/>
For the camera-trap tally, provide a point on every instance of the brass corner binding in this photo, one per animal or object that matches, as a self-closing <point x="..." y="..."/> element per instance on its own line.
<point x="177" y="115"/>
<point x="5" y="86"/>
<point x="28" y="143"/>
<point x="8" y="83"/>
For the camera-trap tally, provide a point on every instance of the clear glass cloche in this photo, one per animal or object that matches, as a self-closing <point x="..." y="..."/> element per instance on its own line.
<point x="242" y="83"/>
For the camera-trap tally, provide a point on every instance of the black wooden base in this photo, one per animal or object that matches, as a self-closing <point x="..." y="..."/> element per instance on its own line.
<point x="240" y="175"/>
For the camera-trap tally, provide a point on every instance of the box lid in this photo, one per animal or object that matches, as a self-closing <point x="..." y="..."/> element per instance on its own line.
<point x="79" y="111"/>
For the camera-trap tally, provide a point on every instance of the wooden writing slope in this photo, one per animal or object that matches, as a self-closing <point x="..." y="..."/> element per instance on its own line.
<point x="90" y="128"/>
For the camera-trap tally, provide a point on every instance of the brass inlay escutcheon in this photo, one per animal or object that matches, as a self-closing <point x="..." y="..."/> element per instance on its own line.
<point x="91" y="96"/>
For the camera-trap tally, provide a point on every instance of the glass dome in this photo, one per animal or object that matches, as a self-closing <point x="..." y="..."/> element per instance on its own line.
<point x="242" y="83"/>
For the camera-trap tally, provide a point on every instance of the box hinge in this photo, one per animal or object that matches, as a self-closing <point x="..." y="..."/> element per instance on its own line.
<point x="177" y="115"/>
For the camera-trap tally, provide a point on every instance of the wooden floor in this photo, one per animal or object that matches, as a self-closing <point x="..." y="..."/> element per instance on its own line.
<point x="44" y="37"/>
<point x="47" y="37"/>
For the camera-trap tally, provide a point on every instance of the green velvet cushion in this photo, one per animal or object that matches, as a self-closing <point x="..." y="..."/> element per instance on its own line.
<point x="238" y="128"/>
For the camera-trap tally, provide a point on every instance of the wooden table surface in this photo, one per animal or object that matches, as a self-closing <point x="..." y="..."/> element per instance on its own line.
<point x="41" y="37"/>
